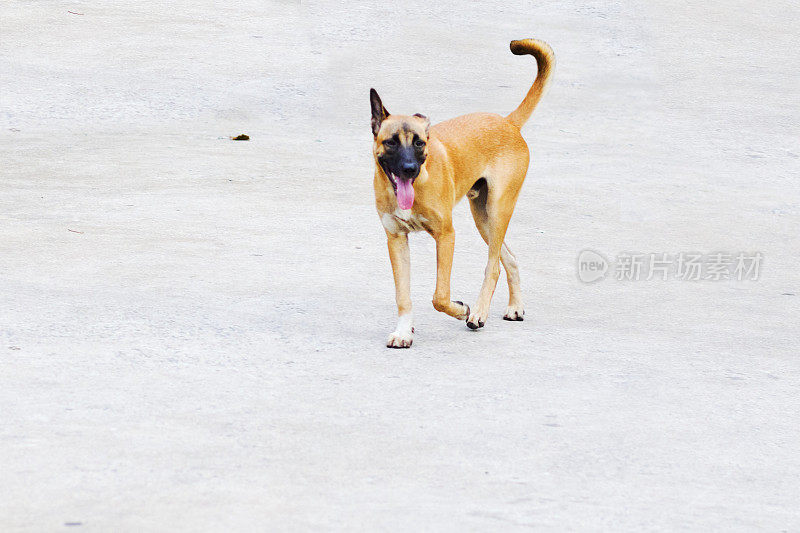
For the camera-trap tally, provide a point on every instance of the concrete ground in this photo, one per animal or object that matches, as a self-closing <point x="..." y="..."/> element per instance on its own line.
<point x="192" y="329"/>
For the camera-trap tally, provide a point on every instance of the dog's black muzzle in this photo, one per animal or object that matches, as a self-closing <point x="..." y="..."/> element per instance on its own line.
<point x="409" y="170"/>
<point x="402" y="164"/>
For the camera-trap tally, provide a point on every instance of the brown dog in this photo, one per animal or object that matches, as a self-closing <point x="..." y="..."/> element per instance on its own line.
<point x="421" y="172"/>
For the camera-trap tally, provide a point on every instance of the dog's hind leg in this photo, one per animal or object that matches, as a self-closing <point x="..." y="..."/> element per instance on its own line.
<point x="399" y="254"/>
<point x="492" y="213"/>
<point x="515" y="309"/>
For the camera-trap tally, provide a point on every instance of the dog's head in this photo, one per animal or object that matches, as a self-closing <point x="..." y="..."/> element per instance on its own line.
<point x="400" y="147"/>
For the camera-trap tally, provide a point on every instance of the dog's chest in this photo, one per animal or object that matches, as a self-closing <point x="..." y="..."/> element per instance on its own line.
<point x="403" y="221"/>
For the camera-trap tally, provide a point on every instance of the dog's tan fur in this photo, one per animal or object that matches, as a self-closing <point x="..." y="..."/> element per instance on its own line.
<point x="480" y="155"/>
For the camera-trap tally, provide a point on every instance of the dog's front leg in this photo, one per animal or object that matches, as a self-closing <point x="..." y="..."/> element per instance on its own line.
<point x="399" y="254"/>
<point x="445" y="244"/>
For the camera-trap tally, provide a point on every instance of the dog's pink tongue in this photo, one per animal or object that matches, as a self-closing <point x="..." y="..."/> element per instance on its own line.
<point x="405" y="194"/>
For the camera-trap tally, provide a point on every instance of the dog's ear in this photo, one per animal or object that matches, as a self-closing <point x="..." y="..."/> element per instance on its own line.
<point x="427" y="121"/>
<point x="379" y="112"/>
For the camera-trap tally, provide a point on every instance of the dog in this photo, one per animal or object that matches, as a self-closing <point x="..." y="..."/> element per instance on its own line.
<point x="423" y="171"/>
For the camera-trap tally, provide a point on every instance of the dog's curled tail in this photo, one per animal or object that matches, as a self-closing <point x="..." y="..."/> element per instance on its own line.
<point x="545" y="62"/>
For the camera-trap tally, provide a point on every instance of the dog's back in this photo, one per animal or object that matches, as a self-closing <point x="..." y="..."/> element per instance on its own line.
<point x="477" y="143"/>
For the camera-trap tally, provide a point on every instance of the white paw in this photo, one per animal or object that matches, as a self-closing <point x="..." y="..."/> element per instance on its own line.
<point x="400" y="339"/>
<point x="466" y="310"/>
<point x="476" y="320"/>
<point x="403" y="336"/>
<point x="514" y="312"/>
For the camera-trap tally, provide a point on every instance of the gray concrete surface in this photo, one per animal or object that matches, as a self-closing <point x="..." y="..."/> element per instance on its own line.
<point x="192" y="329"/>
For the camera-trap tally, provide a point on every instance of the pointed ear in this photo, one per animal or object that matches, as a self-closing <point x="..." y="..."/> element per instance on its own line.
<point x="427" y="121"/>
<point x="379" y="112"/>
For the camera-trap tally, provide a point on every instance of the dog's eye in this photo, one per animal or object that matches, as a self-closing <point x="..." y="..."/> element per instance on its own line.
<point x="419" y="143"/>
<point x="390" y="143"/>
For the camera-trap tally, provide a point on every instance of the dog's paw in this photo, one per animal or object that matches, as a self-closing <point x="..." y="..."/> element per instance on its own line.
<point x="514" y="313"/>
<point x="400" y="339"/>
<point x="465" y="314"/>
<point x="475" y="321"/>
<point x="403" y="335"/>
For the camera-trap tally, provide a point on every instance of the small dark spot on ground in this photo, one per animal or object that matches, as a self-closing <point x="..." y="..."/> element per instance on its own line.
<point x="241" y="137"/>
